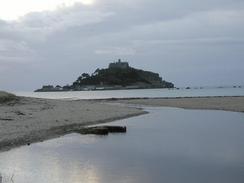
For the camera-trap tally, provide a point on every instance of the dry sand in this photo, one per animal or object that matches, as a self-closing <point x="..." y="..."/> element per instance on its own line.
<point x="27" y="120"/>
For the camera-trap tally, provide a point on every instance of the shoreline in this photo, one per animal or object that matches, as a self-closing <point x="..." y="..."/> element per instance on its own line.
<point x="55" y="132"/>
<point x="224" y="103"/>
<point x="30" y="120"/>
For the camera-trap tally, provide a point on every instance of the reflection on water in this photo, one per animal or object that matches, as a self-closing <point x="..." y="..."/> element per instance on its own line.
<point x="167" y="145"/>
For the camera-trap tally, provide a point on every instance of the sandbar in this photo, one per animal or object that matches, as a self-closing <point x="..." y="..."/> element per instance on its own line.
<point x="25" y="120"/>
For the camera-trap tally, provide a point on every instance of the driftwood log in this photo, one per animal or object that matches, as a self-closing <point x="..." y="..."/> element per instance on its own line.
<point x="102" y="130"/>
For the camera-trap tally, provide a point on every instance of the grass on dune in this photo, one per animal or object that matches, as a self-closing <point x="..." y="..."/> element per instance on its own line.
<point x="6" y="97"/>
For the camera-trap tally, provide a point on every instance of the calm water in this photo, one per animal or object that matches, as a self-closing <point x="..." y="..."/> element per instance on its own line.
<point x="167" y="145"/>
<point x="137" y="93"/>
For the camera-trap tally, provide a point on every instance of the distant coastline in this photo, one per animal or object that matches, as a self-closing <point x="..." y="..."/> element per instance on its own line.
<point x="51" y="88"/>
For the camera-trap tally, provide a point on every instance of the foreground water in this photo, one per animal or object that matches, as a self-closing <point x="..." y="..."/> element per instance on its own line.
<point x="136" y="93"/>
<point x="167" y="145"/>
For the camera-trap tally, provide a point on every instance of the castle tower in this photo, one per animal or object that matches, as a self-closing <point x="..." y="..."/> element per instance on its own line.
<point x="119" y="65"/>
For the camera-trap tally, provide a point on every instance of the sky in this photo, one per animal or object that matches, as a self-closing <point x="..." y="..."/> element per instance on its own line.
<point x="190" y="43"/>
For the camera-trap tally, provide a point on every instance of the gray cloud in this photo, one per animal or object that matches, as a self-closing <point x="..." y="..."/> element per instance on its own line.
<point x="191" y="43"/>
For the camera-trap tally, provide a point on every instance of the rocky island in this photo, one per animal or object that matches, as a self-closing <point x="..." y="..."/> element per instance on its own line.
<point x="118" y="75"/>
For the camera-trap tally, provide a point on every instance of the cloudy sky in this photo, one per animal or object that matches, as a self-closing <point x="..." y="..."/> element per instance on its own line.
<point x="190" y="42"/>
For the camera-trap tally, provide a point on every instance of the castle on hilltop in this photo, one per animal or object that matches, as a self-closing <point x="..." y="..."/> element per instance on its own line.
<point x="119" y="65"/>
<point x="118" y="76"/>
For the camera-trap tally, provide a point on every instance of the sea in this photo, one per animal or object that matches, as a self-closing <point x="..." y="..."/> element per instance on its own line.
<point x="168" y="145"/>
<point x="141" y="93"/>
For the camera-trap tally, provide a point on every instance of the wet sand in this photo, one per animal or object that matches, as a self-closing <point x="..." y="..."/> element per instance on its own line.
<point x="234" y="104"/>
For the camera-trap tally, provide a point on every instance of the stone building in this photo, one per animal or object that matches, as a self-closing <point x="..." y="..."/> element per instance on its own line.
<point x="119" y="65"/>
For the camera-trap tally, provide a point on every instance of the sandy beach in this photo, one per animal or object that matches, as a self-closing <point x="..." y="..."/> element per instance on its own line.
<point x="27" y="120"/>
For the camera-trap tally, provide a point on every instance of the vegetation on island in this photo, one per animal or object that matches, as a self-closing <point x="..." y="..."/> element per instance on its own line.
<point x="118" y="75"/>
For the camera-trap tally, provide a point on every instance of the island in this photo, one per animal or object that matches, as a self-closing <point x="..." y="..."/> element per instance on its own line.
<point x="119" y="75"/>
